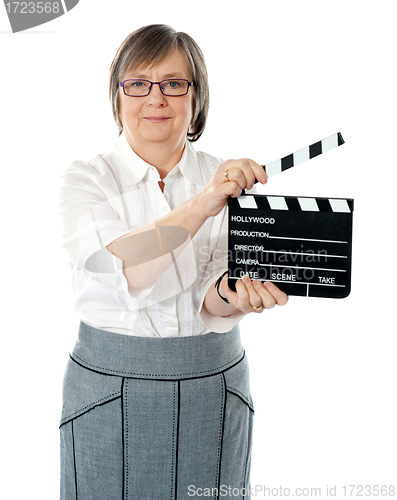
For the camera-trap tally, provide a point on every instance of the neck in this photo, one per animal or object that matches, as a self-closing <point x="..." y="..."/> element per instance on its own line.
<point x="159" y="155"/>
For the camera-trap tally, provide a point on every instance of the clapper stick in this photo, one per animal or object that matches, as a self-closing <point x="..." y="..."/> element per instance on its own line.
<point x="307" y="153"/>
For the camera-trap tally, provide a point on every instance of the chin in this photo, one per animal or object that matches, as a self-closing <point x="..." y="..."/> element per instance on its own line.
<point x="157" y="135"/>
<point x="156" y="138"/>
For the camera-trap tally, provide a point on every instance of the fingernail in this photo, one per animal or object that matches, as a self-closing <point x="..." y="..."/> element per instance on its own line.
<point x="267" y="284"/>
<point x="256" y="282"/>
<point x="245" y="279"/>
<point x="263" y="179"/>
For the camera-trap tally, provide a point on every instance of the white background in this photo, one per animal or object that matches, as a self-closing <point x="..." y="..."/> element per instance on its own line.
<point x="323" y="371"/>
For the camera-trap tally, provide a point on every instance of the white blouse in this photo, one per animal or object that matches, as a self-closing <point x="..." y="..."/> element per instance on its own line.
<point x="115" y="193"/>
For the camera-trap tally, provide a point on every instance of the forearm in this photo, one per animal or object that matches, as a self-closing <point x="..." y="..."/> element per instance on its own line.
<point x="146" y="251"/>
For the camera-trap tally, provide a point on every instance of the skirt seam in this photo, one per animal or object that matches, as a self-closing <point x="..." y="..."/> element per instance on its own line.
<point x="122" y="438"/>
<point x="240" y="395"/>
<point x="125" y="434"/>
<point x="95" y="404"/>
<point x="222" y="428"/>
<point x="74" y="459"/>
<point x="175" y="440"/>
<point x="148" y="376"/>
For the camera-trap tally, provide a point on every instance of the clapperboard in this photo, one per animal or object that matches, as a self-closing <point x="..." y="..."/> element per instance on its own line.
<point x="302" y="244"/>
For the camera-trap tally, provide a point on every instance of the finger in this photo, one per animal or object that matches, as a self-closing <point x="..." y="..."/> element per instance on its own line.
<point x="267" y="298"/>
<point x="243" y="302"/>
<point x="236" y="175"/>
<point x="271" y="294"/>
<point x="280" y="296"/>
<point x="252" y="172"/>
<point x="231" y="189"/>
<point x="255" y="300"/>
<point x="244" y="172"/>
<point x="259" y="171"/>
<point x="245" y="295"/>
<point x="240" y="171"/>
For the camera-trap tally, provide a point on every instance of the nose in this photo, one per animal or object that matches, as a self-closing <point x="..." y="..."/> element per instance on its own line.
<point x="156" y="97"/>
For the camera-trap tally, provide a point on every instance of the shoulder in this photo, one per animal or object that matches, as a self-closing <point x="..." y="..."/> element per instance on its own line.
<point x="207" y="164"/>
<point x="93" y="168"/>
<point x="213" y="162"/>
<point x="96" y="172"/>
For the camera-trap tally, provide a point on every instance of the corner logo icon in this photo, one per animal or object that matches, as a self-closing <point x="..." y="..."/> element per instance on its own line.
<point x="25" y="15"/>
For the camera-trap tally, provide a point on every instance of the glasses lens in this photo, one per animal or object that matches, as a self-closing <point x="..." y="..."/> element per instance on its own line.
<point x="175" y="87"/>
<point x="136" y="87"/>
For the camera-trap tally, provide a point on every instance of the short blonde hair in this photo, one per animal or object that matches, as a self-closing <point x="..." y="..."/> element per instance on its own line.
<point x="149" y="46"/>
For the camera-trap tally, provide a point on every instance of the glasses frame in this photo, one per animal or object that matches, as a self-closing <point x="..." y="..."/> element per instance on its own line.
<point x="190" y="84"/>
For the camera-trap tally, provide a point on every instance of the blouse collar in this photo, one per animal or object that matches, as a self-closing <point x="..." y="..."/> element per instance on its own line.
<point x="133" y="168"/>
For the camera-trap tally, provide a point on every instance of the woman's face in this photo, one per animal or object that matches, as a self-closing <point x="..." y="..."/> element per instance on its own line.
<point x="157" y="118"/>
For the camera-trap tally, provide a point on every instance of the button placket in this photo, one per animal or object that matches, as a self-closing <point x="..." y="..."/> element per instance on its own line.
<point x="170" y="319"/>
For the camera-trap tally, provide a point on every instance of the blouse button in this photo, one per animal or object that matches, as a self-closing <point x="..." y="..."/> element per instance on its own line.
<point x="170" y="323"/>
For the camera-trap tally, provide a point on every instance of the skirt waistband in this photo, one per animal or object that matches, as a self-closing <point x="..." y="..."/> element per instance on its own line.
<point x="157" y="358"/>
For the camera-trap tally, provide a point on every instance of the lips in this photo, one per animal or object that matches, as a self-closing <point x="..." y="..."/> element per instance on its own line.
<point x="156" y="119"/>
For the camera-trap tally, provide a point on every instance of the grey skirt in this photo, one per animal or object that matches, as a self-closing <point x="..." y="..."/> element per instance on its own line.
<point x="156" y="419"/>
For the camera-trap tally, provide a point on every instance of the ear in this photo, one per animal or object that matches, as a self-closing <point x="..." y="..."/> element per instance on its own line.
<point x="117" y="112"/>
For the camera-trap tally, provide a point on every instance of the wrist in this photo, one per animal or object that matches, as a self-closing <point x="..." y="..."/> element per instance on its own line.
<point x="197" y="209"/>
<point x="218" y="284"/>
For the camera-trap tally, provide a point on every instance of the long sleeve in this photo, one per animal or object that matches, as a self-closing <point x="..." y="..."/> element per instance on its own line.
<point x="217" y="266"/>
<point x="89" y="222"/>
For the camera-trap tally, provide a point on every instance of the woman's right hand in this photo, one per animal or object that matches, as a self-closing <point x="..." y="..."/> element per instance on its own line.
<point x="229" y="179"/>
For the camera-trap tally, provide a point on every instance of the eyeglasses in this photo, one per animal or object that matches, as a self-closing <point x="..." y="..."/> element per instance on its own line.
<point x="138" y="88"/>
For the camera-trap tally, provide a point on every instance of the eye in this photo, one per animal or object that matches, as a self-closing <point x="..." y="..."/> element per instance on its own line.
<point x="138" y="84"/>
<point x="136" y="87"/>
<point x="173" y="84"/>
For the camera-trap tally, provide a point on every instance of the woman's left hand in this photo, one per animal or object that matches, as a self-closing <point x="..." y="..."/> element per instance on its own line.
<point x="253" y="296"/>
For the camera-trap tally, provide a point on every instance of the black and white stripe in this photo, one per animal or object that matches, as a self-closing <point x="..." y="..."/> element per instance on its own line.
<point x="304" y="154"/>
<point x="300" y="204"/>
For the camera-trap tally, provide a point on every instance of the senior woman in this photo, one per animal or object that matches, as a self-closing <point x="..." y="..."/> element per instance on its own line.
<point x="156" y="398"/>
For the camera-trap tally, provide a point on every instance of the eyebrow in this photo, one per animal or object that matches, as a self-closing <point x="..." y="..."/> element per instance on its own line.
<point x="168" y="75"/>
